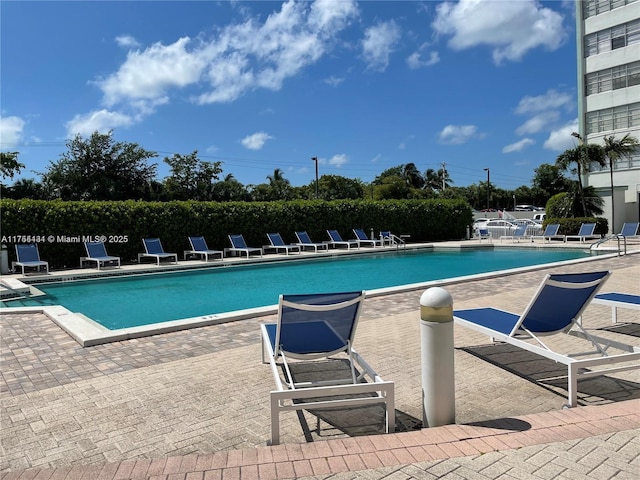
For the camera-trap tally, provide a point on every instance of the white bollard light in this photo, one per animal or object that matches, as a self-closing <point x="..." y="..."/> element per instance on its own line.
<point x="438" y="373"/>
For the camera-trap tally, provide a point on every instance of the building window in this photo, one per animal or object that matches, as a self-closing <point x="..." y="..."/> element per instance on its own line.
<point x="618" y="118"/>
<point x="612" y="38"/>
<point x="613" y="78"/>
<point x="591" y="8"/>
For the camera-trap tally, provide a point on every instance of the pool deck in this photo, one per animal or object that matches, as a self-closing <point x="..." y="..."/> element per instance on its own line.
<point x="193" y="404"/>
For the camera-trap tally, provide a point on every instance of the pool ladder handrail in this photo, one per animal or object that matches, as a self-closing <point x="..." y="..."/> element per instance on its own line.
<point x="393" y="240"/>
<point x="607" y="238"/>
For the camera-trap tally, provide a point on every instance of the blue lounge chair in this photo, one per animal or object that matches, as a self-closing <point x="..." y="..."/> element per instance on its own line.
<point x="153" y="248"/>
<point x="483" y="233"/>
<point x="550" y="233"/>
<point x="304" y="241"/>
<point x="336" y="240"/>
<point x="618" y="300"/>
<point x="519" y="233"/>
<point x="629" y="230"/>
<point x="97" y="252"/>
<point x="362" y="238"/>
<point x="239" y="246"/>
<point x="556" y="308"/>
<point x="277" y="243"/>
<point x="28" y="256"/>
<point x="199" y="247"/>
<point x="312" y="327"/>
<point x="586" y="232"/>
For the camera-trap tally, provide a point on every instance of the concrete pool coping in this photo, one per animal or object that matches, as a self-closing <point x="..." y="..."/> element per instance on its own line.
<point x="88" y="333"/>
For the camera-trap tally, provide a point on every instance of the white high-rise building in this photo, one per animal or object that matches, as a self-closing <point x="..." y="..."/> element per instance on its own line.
<point x="608" y="41"/>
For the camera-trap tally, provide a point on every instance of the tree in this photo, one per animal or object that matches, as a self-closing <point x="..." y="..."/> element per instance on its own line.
<point x="614" y="150"/>
<point x="9" y="164"/>
<point x="229" y="190"/>
<point x="582" y="157"/>
<point x="549" y="179"/>
<point x="27" y="188"/>
<point x="570" y="204"/>
<point x="412" y="176"/>
<point x="280" y="186"/>
<point x="99" y="168"/>
<point x="191" y="178"/>
<point x="397" y="171"/>
<point x="336" y="187"/>
<point x="437" y="180"/>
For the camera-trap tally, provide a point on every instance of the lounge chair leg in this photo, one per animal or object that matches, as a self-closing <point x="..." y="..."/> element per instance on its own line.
<point x="572" y="385"/>
<point x="275" y="420"/>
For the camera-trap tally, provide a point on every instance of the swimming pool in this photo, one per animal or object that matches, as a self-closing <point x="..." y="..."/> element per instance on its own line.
<point x="136" y="300"/>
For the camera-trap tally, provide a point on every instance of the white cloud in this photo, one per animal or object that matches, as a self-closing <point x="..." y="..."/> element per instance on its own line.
<point x="518" y="146"/>
<point x="550" y="100"/>
<point x="338" y="160"/>
<point x="458" y="134"/>
<point x="415" y="61"/>
<point x="10" y="131"/>
<point x="333" y="80"/>
<point x="512" y="28"/>
<point x="255" y="141"/>
<point x="378" y="44"/>
<point x="127" y="41"/>
<point x="538" y="122"/>
<point x="561" y="139"/>
<point x="147" y="75"/>
<point x="99" y="120"/>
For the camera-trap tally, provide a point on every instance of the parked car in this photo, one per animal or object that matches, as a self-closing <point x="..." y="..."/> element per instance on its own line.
<point x="539" y="217"/>
<point x="533" y="227"/>
<point x="496" y="227"/>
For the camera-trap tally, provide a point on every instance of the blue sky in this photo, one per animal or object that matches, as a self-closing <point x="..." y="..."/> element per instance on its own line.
<point x="364" y="86"/>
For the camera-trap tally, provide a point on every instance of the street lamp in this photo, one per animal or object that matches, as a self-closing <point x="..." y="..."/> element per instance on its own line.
<point x="488" y="186"/>
<point x="315" y="159"/>
<point x="514" y="203"/>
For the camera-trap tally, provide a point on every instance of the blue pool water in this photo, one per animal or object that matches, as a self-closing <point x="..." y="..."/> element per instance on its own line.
<point x="144" y="299"/>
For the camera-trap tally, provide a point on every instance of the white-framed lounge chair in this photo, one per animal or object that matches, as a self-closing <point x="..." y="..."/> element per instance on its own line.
<point x="304" y="241"/>
<point x="629" y="230"/>
<point x="618" y="300"/>
<point x="313" y="328"/>
<point x="97" y="252"/>
<point x="550" y="233"/>
<point x="199" y="247"/>
<point x="153" y="248"/>
<point x="362" y="238"/>
<point x="483" y="233"/>
<point x="277" y="244"/>
<point x="585" y="233"/>
<point x="28" y="256"/>
<point x="556" y="308"/>
<point x="336" y="240"/>
<point x="239" y="246"/>
<point x="520" y="233"/>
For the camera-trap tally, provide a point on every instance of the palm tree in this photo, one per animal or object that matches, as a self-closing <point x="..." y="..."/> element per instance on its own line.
<point x="280" y="186"/>
<point x="614" y="150"/>
<point x="412" y="176"/>
<point x="582" y="156"/>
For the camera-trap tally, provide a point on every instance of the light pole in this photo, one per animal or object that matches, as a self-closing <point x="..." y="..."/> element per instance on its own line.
<point x="488" y="186"/>
<point x="315" y="159"/>
<point x="514" y="203"/>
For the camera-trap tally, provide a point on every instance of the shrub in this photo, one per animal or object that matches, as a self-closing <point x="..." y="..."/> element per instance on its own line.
<point x="62" y="226"/>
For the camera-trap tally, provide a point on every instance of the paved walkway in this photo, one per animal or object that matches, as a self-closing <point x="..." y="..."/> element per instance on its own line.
<point x="193" y="404"/>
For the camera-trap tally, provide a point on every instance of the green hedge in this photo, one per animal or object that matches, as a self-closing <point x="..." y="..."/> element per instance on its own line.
<point x="571" y="226"/>
<point x="173" y="222"/>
